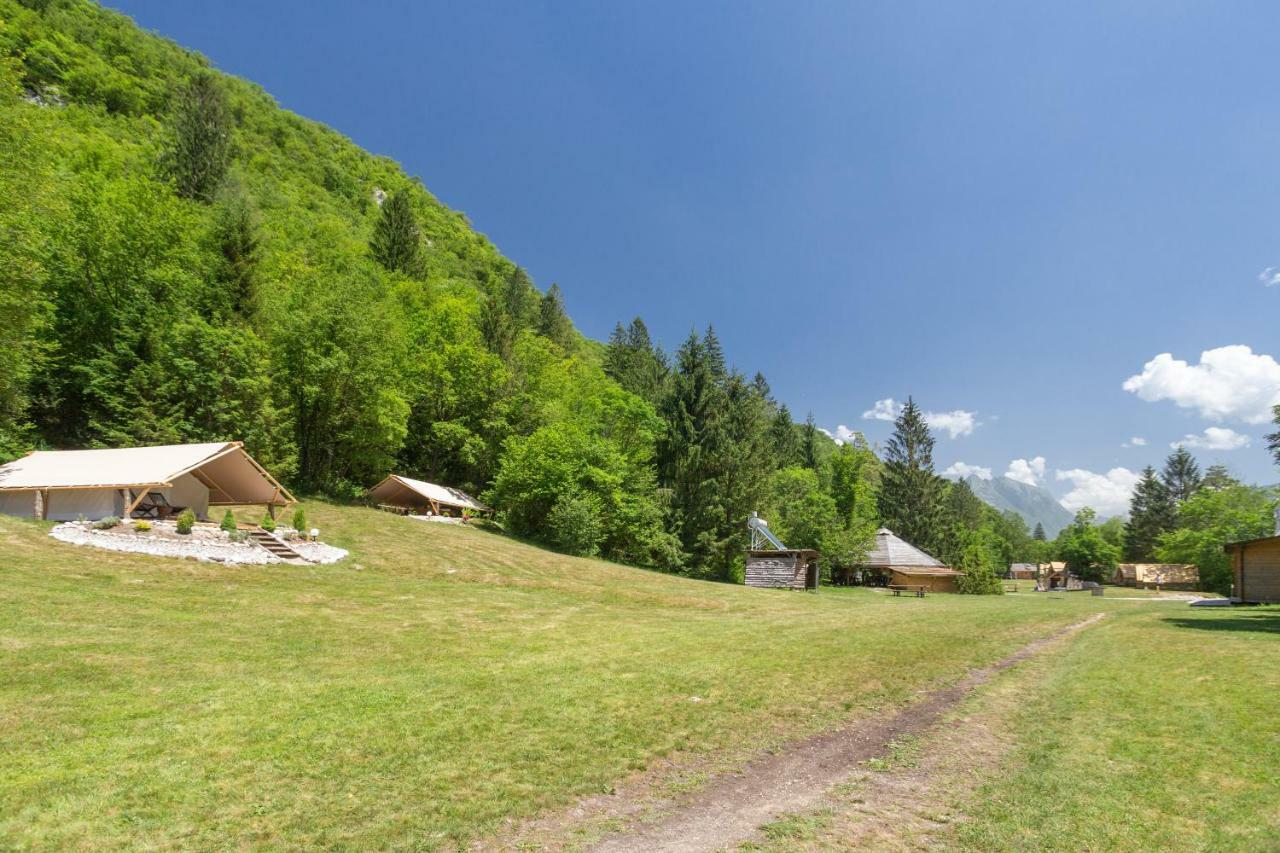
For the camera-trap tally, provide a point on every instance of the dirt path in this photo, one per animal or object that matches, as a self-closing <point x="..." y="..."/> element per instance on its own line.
<point x="731" y="809"/>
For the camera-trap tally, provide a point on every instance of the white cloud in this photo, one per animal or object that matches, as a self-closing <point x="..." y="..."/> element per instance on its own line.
<point x="1214" y="438"/>
<point x="1230" y="382"/>
<point x="955" y="423"/>
<point x="887" y="409"/>
<point x="1107" y="493"/>
<point x="1270" y="276"/>
<point x="1029" y="471"/>
<point x="964" y="469"/>
<point x="1136" y="441"/>
<point x="844" y="434"/>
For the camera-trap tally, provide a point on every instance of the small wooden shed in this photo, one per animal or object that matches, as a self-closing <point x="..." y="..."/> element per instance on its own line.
<point x="783" y="569"/>
<point x="896" y="562"/>
<point x="1255" y="570"/>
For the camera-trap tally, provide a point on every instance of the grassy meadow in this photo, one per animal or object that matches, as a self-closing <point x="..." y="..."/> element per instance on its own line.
<point x="1155" y="730"/>
<point x="435" y="684"/>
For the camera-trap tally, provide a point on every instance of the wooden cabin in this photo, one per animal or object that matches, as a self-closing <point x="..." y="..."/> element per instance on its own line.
<point x="782" y="569"/>
<point x="1023" y="571"/>
<point x="407" y="495"/>
<point x="1163" y="575"/>
<point x="147" y="482"/>
<point x="895" y="562"/>
<point x="1255" y="570"/>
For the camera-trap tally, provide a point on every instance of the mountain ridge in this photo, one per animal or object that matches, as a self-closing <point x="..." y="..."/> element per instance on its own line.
<point x="1035" y="504"/>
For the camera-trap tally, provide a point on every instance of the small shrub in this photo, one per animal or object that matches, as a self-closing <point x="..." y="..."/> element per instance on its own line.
<point x="228" y="522"/>
<point x="142" y="525"/>
<point x="106" y="523"/>
<point x="268" y="523"/>
<point x="186" y="521"/>
<point x="237" y="535"/>
<point x="299" y="520"/>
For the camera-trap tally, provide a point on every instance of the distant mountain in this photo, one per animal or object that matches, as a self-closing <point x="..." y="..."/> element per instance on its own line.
<point x="1033" y="503"/>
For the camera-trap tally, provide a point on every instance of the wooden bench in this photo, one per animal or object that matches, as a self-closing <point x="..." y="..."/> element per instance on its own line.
<point x="899" y="589"/>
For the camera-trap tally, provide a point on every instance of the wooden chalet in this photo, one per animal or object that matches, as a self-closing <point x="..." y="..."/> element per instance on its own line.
<point x="1023" y="571"/>
<point x="895" y="562"/>
<point x="153" y="482"/>
<point x="405" y="494"/>
<point x="1255" y="569"/>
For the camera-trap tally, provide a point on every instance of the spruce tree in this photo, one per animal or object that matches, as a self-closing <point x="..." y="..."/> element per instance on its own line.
<point x="396" y="240"/>
<point x="1181" y="475"/>
<point x="910" y="491"/>
<point x="553" y="322"/>
<point x="1152" y="512"/>
<point x="635" y="363"/>
<point x="1217" y="478"/>
<point x="692" y="449"/>
<point x="782" y="434"/>
<point x="200" y="143"/>
<point x="1039" y="534"/>
<point x="236" y="234"/>
<point x="809" y="443"/>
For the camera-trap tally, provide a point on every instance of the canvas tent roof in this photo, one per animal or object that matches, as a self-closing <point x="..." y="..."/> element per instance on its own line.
<point x="230" y="474"/>
<point x="395" y="487"/>
<point x="892" y="552"/>
<point x="1159" y="572"/>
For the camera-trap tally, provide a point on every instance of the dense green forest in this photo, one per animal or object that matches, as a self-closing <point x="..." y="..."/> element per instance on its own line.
<point x="181" y="259"/>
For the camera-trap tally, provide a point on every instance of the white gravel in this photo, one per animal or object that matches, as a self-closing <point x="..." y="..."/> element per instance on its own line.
<point x="206" y="543"/>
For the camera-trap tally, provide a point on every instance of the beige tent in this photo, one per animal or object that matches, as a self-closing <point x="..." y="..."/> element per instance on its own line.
<point x="66" y="484"/>
<point x="420" y="496"/>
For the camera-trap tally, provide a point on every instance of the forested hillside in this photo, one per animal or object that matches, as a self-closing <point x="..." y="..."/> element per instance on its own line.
<point x="184" y="260"/>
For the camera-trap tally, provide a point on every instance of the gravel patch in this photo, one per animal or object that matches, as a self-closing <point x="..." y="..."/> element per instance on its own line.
<point x="206" y="543"/>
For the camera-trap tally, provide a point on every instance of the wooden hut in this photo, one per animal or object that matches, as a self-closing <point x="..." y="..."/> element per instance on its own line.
<point x="789" y="568"/>
<point x="895" y="562"/>
<point x="1255" y="570"/>
<point x="1023" y="571"/>
<point x="405" y="494"/>
<point x="151" y="482"/>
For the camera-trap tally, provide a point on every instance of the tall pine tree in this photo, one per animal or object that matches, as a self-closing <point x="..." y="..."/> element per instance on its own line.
<point x="396" y="240"/>
<point x="1039" y="534"/>
<point x="1152" y="512"/>
<point x="636" y="363"/>
<point x="782" y="433"/>
<point x="200" y="143"/>
<point x="910" y="491"/>
<point x="1181" y="475"/>
<point x="692" y="448"/>
<point x="553" y="321"/>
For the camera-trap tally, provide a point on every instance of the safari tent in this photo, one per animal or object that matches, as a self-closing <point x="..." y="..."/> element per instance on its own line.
<point x="896" y="562"/>
<point x="64" y="485"/>
<point x="1164" y="575"/>
<point x="410" y="495"/>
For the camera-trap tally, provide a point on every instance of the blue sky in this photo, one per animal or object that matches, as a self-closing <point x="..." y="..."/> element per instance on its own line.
<point x="1004" y="209"/>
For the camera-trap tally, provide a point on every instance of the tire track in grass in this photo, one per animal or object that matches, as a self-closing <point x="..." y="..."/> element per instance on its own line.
<point x="731" y="809"/>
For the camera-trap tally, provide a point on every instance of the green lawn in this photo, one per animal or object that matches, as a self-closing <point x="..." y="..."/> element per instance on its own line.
<point x="1158" y="729"/>
<point x="436" y="683"/>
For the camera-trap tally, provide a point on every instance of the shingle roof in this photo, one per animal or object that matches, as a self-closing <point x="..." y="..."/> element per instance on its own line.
<point x="892" y="552"/>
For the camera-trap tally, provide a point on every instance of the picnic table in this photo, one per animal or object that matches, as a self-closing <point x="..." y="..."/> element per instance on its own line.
<point x="899" y="589"/>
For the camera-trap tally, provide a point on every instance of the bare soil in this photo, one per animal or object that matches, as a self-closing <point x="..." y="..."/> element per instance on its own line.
<point x="733" y="807"/>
